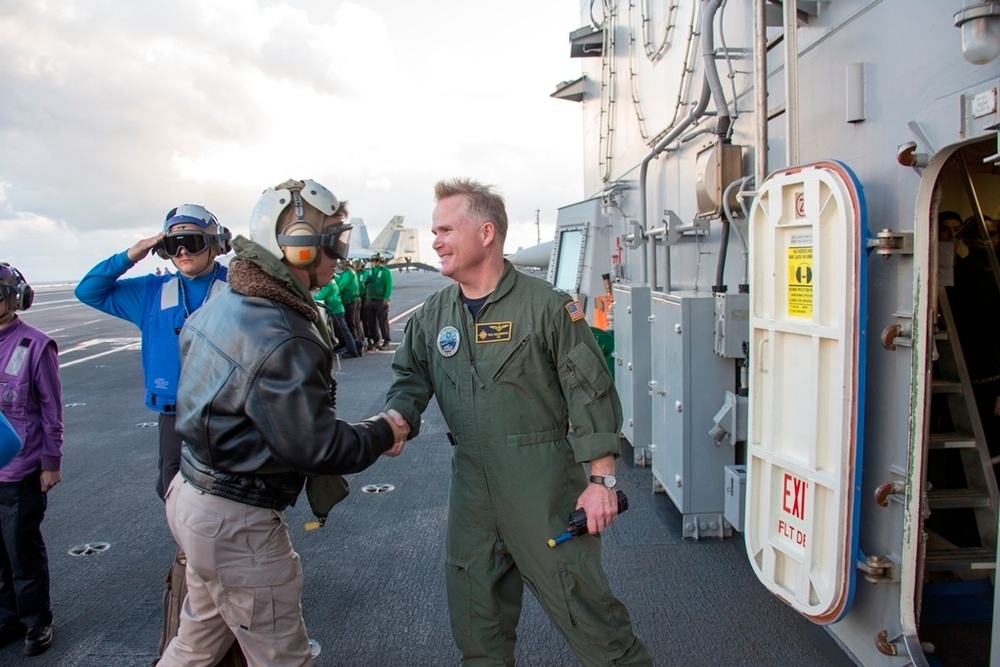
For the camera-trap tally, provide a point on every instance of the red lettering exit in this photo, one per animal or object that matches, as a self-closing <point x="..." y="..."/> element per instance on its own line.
<point x="793" y="496"/>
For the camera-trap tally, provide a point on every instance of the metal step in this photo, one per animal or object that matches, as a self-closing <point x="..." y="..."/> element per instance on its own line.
<point x="957" y="498"/>
<point x="946" y="387"/>
<point x="973" y="558"/>
<point x="951" y="441"/>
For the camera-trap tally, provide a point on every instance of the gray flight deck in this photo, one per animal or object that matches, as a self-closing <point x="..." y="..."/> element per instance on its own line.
<point x="374" y="579"/>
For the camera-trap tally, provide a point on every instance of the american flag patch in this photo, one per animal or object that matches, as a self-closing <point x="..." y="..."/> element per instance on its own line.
<point x="575" y="311"/>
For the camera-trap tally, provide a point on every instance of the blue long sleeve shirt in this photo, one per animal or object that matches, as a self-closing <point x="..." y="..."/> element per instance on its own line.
<point x="10" y="441"/>
<point x="158" y="305"/>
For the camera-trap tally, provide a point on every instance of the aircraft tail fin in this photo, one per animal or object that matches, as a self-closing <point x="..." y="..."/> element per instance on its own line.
<point x="359" y="235"/>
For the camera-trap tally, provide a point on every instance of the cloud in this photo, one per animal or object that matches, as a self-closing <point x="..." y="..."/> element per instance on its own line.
<point x="115" y="112"/>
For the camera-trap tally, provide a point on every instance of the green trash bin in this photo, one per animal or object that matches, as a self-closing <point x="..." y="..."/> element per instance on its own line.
<point x="606" y="341"/>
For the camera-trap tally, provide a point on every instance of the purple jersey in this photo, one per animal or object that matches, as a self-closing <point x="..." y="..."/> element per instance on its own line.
<point x="31" y="398"/>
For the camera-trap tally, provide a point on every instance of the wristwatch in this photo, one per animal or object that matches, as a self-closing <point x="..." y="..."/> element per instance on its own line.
<point x="607" y="480"/>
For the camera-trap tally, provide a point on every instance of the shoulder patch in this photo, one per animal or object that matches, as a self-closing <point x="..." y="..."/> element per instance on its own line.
<point x="575" y="310"/>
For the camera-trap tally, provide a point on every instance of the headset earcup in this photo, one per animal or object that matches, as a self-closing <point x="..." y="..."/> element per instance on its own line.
<point x="25" y="297"/>
<point x="222" y="245"/>
<point x="300" y="255"/>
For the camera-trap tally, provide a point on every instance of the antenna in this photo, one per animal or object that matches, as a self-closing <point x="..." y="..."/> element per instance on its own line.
<point x="538" y="229"/>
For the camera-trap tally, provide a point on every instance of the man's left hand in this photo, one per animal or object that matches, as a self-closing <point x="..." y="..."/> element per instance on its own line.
<point x="601" y="505"/>
<point x="49" y="479"/>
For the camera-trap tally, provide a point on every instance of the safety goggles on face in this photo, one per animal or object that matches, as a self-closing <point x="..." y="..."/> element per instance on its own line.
<point x="193" y="243"/>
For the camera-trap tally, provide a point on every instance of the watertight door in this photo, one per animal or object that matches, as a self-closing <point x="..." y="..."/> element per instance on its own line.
<point x="807" y="244"/>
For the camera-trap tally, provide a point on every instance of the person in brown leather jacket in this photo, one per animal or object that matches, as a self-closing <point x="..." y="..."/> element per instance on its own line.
<point x="256" y="413"/>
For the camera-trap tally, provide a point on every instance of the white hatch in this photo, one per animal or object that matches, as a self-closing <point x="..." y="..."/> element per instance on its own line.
<point x="808" y="234"/>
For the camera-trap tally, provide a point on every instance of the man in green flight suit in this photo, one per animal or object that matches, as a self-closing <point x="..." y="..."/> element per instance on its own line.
<point x="513" y="363"/>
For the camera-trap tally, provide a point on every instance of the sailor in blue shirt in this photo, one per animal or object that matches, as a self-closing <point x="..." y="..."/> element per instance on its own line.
<point x="191" y="238"/>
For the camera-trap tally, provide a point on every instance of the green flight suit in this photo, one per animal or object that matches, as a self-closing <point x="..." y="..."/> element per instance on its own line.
<point x="509" y="384"/>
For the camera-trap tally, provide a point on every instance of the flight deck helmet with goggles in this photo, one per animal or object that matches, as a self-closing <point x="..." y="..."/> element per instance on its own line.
<point x="14" y="288"/>
<point x="209" y="235"/>
<point x="293" y="222"/>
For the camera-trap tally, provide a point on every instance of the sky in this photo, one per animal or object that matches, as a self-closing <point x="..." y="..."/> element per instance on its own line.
<point x="114" y="112"/>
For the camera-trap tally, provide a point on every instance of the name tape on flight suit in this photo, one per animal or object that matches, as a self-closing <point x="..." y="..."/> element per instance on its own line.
<point x="494" y="332"/>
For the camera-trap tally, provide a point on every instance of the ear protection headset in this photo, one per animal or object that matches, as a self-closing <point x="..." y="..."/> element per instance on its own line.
<point x="299" y="255"/>
<point x="15" y="285"/>
<point x="219" y="241"/>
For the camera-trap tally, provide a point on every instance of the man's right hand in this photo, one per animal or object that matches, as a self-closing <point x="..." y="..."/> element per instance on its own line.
<point x="142" y="247"/>
<point x="400" y="431"/>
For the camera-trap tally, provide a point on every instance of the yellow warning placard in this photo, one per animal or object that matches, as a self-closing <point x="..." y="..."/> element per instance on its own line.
<point x="800" y="281"/>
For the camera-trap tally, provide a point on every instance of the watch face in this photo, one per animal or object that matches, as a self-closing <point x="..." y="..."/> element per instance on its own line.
<point x="609" y="481"/>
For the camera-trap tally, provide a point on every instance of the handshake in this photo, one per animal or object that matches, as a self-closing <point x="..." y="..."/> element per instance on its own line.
<point x="400" y="431"/>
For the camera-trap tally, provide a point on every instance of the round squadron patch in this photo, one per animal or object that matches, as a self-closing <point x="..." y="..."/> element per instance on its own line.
<point x="448" y="340"/>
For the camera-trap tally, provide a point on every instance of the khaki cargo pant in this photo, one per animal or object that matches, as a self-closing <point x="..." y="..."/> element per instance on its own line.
<point x="244" y="582"/>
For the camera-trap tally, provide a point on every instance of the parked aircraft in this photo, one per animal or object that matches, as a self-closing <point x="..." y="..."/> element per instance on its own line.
<point x="398" y="245"/>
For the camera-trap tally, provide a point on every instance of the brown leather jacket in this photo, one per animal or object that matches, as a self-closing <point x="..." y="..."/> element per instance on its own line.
<point x="255" y="405"/>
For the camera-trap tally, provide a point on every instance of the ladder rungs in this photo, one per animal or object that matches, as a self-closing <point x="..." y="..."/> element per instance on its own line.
<point x="957" y="498"/>
<point x="946" y="387"/>
<point x="951" y="441"/>
<point x="974" y="558"/>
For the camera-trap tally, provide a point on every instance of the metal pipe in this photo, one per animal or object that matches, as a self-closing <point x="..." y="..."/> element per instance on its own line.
<point x="708" y="15"/>
<point x="760" y="90"/>
<point x="715" y="83"/>
<point x="652" y="250"/>
<point x="744" y="268"/>
<point x="791" y="83"/>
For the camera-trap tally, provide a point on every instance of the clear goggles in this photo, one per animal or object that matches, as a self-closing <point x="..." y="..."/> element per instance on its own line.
<point x="193" y="242"/>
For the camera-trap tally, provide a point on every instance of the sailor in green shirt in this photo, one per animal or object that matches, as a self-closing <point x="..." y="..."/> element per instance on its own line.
<point x="513" y="363"/>
<point x="347" y="281"/>
<point x="329" y="295"/>
<point x="378" y="290"/>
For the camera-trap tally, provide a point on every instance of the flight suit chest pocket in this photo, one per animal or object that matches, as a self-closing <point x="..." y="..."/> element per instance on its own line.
<point x="514" y="360"/>
<point x="14" y="398"/>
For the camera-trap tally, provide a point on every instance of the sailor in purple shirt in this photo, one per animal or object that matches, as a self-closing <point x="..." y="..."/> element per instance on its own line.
<point x="31" y="400"/>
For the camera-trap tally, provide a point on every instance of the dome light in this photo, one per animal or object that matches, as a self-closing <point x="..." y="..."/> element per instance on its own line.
<point x="980" y="24"/>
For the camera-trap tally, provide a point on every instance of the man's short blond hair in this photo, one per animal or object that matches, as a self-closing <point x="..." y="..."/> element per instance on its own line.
<point x="481" y="203"/>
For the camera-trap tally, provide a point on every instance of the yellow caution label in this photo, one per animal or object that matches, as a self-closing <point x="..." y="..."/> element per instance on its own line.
<point x="800" y="281"/>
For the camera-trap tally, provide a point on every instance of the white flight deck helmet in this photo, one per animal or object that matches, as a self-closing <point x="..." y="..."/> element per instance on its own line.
<point x="212" y="234"/>
<point x="290" y="221"/>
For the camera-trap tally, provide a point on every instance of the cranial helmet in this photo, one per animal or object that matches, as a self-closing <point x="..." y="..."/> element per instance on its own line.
<point x="291" y="221"/>
<point x="14" y="287"/>
<point x="217" y="236"/>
